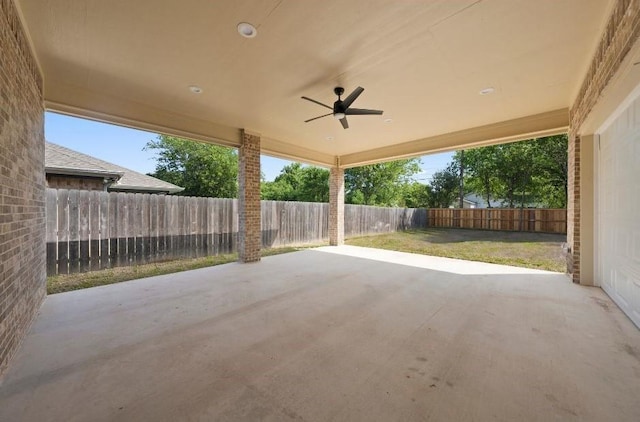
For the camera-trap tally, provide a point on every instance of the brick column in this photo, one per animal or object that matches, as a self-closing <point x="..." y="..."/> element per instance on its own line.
<point x="336" y="206"/>
<point x="249" y="231"/>
<point x="573" y="208"/>
<point x="22" y="185"/>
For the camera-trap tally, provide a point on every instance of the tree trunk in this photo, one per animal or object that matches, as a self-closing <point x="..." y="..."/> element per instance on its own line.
<point x="462" y="179"/>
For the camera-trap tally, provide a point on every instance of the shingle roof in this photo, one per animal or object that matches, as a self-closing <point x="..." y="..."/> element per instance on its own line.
<point x="61" y="160"/>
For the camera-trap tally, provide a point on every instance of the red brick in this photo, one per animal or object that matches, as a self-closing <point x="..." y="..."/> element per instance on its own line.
<point x="22" y="185"/>
<point x="249" y="218"/>
<point x="336" y="206"/>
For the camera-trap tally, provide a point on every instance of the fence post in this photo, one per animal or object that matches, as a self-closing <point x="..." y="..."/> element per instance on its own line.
<point x="521" y="218"/>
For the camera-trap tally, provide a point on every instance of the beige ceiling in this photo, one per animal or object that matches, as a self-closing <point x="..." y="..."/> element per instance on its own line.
<point x="422" y="62"/>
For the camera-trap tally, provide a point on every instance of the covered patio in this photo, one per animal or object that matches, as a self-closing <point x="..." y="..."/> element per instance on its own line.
<point x="335" y="333"/>
<point x="318" y="335"/>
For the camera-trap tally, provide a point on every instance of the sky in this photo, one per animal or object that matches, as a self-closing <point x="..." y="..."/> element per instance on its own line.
<point x="125" y="147"/>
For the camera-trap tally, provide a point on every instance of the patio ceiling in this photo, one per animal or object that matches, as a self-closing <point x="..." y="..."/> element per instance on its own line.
<point x="422" y="62"/>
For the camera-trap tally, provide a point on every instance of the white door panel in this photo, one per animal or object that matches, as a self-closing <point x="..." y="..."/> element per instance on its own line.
<point x="618" y="192"/>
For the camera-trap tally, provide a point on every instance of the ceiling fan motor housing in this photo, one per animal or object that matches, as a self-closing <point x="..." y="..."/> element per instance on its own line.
<point x="341" y="109"/>
<point x="337" y="106"/>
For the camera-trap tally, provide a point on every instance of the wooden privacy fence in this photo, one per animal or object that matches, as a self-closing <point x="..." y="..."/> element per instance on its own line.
<point x="90" y="230"/>
<point x="509" y="219"/>
<point x="293" y="223"/>
<point x="361" y="220"/>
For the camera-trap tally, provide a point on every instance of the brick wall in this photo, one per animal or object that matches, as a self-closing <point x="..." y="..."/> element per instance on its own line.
<point x="336" y="206"/>
<point x="22" y="184"/>
<point x="249" y="230"/>
<point x="55" y="181"/>
<point x="573" y="208"/>
<point x="621" y="32"/>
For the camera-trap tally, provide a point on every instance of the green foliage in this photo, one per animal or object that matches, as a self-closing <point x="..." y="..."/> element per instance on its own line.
<point x="201" y="169"/>
<point x="377" y="184"/>
<point x="480" y="166"/>
<point x="380" y="184"/>
<point x="315" y="185"/>
<point x="553" y="170"/>
<point x="519" y="173"/>
<point x="515" y="170"/>
<point x="298" y="183"/>
<point x="417" y="195"/>
<point x="445" y="187"/>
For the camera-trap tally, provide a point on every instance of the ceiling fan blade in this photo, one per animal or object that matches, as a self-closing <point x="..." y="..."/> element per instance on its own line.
<point x="344" y="122"/>
<point x="319" y="117"/>
<point x="360" y="111"/>
<point x="352" y="97"/>
<point x="317" y="102"/>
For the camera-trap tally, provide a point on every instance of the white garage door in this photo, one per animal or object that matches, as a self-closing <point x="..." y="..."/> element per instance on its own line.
<point x="618" y="211"/>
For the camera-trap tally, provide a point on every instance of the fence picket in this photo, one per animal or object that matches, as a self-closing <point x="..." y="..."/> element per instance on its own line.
<point x="162" y="226"/>
<point x="84" y="235"/>
<point x="136" y="229"/>
<point x="74" y="231"/>
<point x="52" y="231"/>
<point x="94" y="230"/>
<point x="111" y="231"/>
<point x="153" y="228"/>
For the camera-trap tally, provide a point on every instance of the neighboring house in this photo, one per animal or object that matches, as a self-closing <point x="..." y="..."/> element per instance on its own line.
<point x="472" y="200"/>
<point x="68" y="169"/>
<point x="475" y="201"/>
<point x="467" y="203"/>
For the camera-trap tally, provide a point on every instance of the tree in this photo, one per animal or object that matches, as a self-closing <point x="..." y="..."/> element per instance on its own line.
<point x="445" y="186"/>
<point x="201" y="169"/>
<point x="315" y="185"/>
<point x="515" y="170"/>
<point x="520" y="173"/>
<point x="379" y="184"/>
<point x="417" y="195"/>
<point x="376" y="184"/>
<point x="480" y="165"/>
<point x="298" y="183"/>
<point x="553" y="169"/>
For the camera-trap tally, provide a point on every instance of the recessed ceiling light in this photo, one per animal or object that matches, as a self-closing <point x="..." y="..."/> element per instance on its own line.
<point x="195" y="89"/>
<point x="247" y="30"/>
<point x="388" y="120"/>
<point x="329" y="138"/>
<point x="487" y="91"/>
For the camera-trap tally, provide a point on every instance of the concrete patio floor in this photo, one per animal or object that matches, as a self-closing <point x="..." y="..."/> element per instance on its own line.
<point x="345" y="334"/>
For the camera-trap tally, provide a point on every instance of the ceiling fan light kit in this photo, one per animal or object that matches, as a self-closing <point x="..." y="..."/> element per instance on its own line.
<point x="342" y="108"/>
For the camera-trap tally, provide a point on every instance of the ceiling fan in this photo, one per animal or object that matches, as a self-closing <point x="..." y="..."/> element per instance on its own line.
<point x="341" y="108"/>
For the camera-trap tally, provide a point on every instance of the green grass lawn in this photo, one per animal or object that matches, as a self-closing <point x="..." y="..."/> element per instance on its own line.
<point x="68" y="282"/>
<point x="531" y="250"/>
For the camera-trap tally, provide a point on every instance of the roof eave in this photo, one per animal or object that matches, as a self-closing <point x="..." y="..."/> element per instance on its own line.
<point x="65" y="171"/>
<point x="170" y="190"/>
